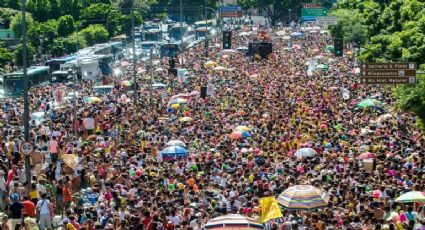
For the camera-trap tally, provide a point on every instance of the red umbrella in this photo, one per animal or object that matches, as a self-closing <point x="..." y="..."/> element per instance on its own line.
<point x="366" y="155"/>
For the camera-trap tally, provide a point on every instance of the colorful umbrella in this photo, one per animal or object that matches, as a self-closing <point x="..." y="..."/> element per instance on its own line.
<point x="322" y="66"/>
<point x="233" y="222"/>
<point x="174" y="151"/>
<point x="303" y="197"/>
<point x="305" y="152"/>
<point x="141" y="133"/>
<point x="355" y="71"/>
<point x="185" y="119"/>
<point x="209" y="64"/>
<point x="330" y="48"/>
<point x="297" y="34"/>
<point x="368" y="103"/>
<point x="242" y="128"/>
<point x="286" y="37"/>
<point x="178" y="101"/>
<point x="176" y="143"/>
<point x="412" y="196"/>
<point x="159" y="85"/>
<point x="367" y="155"/>
<point x="126" y="83"/>
<point x="93" y="100"/>
<point x="296" y="47"/>
<point x="236" y="135"/>
<point x="220" y="68"/>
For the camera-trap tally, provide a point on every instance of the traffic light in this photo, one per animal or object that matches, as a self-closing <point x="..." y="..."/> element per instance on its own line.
<point x="227" y="39"/>
<point x="339" y="46"/>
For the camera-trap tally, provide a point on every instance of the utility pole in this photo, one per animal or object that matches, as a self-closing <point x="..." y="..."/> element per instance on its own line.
<point x="181" y="25"/>
<point x="26" y="114"/>
<point x="206" y="30"/>
<point x="134" y="52"/>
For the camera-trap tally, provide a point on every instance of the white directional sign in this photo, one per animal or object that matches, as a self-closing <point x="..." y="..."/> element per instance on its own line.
<point x="326" y="20"/>
<point x="26" y="148"/>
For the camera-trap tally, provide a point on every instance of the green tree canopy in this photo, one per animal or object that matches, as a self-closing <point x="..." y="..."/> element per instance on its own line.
<point x="16" y="23"/>
<point x="66" y="25"/>
<point x="95" y="34"/>
<point x="5" y="56"/>
<point x="40" y="9"/>
<point x="30" y="54"/>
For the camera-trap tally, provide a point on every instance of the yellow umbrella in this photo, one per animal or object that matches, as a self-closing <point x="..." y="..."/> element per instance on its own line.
<point x="185" y="119"/>
<point x="93" y="100"/>
<point x="242" y="128"/>
<point x="209" y="64"/>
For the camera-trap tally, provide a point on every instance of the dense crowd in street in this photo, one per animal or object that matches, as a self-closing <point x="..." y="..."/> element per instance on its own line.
<point x="105" y="169"/>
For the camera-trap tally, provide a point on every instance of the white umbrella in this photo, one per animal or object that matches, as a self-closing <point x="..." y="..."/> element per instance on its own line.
<point x="220" y="68"/>
<point x="286" y="37"/>
<point x="176" y="143"/>
<point x="159" y="70"/>
<point x="233" y="222"/>
<point x="245" y="34"/>
<point x="281" y="33"/>
<point x="228" y="51"/>
<point x="412" y="196"/>
<point x="305" y="152"/>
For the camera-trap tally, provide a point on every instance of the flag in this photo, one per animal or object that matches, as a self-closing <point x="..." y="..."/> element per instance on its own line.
<point x="269" y="209"/>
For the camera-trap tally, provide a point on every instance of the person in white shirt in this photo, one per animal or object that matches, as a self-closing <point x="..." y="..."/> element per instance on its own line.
<point x="43" y="207"/>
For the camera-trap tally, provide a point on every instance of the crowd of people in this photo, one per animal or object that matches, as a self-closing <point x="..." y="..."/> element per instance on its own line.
<point x="103" y="169"/>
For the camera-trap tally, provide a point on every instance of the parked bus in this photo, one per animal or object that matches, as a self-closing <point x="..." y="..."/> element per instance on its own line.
<point x="59" y="76"/>
<point x="153" y="35"/>
<point x="169" y="50"/>
<point x="54" y="64"/>
<point x="12" y="84"/>
<point x="204" y="26"/>
<point x="174" y="32"/>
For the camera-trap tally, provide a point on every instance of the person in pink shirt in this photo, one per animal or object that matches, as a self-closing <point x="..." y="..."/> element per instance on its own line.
<point x="54" y="149"/>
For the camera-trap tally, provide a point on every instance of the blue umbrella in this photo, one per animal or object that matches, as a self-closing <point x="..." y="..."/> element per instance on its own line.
<point x="297" y="34"/>
<point x="159" y="85"/>
<point x="245" y="134"/>
<point x="174" y="151"/>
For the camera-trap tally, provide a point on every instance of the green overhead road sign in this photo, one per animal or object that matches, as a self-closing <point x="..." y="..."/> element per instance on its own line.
<point x="310" y="14"/>
<point x="314" y="12"/>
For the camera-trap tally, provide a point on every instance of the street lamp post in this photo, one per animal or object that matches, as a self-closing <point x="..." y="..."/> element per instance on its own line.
<point x="26" y="115"/>
<point x="206" y="30"/>
<point x="72" y="73"/>
<point x="134" y="52"/>
<point x="181" y="24"/>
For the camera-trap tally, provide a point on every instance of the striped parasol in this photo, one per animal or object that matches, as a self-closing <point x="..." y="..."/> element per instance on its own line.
<point x="233" y="222"/>
<point x="412" y="196"/>
<point x="303" y="197"/>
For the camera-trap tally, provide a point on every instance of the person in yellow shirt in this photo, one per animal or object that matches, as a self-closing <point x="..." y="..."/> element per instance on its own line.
<point x="33" y="194"/>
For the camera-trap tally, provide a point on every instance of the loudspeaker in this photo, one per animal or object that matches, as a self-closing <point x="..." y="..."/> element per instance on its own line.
<point x="261" y="48"/>
<point x="265" y="48"/>
<point x="203" y="91"/>
<point x="253" y="48"/>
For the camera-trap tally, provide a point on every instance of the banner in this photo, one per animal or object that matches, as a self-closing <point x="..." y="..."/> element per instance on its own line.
<point x="269" y="209"/>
